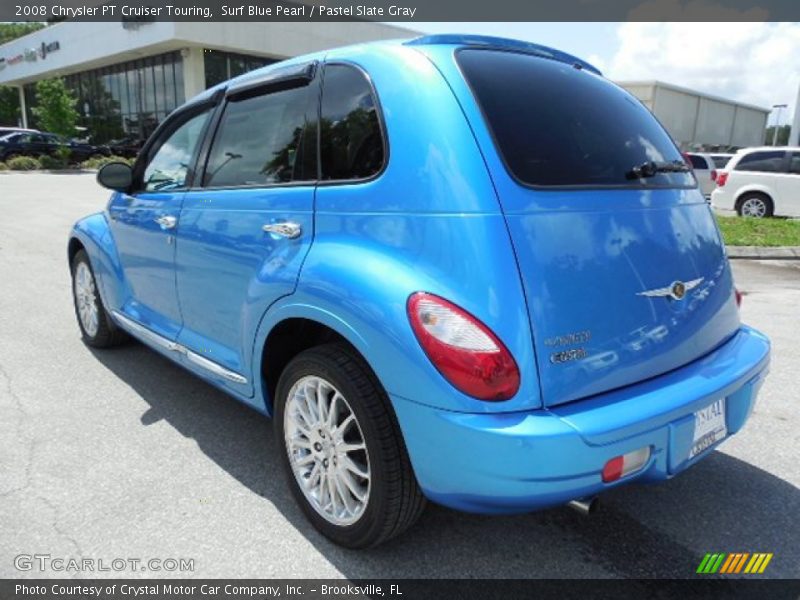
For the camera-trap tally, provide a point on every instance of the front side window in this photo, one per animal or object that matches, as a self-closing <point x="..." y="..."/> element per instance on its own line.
<point x="557" y="125"/>
<point x="351" y="143"/>
<point x="169" y="167"/>
<point x="265" y="139"/>
<point x="770" y="161"/>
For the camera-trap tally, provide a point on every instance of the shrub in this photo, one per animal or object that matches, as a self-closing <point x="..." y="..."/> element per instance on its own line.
<point x="52" y="162"/>
<point x="3" y="166"/>
<point x="23" y="163"/>
<point x="97" y="163"/>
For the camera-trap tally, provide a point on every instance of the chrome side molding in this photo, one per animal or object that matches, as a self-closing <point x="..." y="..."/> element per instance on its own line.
<point x="148" y="335"/>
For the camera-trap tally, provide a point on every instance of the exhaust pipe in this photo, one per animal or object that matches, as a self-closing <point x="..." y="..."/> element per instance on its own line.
<point x="584" y="506"/>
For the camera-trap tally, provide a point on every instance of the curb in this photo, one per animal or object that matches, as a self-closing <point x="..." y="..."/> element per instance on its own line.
<point x="763" y="252"/>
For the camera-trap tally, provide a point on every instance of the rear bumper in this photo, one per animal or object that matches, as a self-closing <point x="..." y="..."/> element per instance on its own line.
<point x="516" y="462"/>
<point x="722" y="199"/>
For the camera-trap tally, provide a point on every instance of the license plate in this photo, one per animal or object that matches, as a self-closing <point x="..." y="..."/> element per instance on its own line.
<point x="709" y="427"/>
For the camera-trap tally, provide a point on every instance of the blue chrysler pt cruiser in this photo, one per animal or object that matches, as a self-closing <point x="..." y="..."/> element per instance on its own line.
<point x="457" y="268"/>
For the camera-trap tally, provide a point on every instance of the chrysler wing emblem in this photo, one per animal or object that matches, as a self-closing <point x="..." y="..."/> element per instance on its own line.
<point x="676" y="290"/>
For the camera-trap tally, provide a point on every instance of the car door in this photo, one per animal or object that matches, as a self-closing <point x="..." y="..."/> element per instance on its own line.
<point x="34" y="145"/>
<point x="790" y="187"/>
<point x="245" y="230"/>
<point x="144" y="222"/>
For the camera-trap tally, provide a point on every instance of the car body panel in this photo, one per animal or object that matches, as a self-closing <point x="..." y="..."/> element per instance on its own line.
<point x="229" y="270"/>
<point x="147" y="254"/>
<point x="444" y="217"/>
<point x="516" y="462"/>
<point x="585" y="254"/>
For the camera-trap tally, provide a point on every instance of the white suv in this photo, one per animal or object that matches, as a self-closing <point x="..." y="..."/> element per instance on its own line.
<point x="760" y="182"/>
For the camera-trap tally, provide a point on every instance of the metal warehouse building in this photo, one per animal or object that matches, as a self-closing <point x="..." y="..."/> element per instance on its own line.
<point x="701" y="121"/>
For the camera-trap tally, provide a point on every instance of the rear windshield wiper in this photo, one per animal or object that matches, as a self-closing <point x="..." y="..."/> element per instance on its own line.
<point x="649" y="169"/>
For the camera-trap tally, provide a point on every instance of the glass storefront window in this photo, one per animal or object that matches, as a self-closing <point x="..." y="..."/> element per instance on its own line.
<point x="124" y="102"/>
<point x="127" y="101"/>
<point x="221" y="66"/>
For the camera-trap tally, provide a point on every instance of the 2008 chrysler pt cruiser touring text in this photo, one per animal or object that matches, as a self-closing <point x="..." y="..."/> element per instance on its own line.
<point x="462" y="269"/>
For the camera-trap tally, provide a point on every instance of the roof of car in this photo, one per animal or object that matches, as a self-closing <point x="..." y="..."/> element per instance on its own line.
<point x="500" y="43"/>
<point x="769" y="149"/>
<point x="460" y="40"/>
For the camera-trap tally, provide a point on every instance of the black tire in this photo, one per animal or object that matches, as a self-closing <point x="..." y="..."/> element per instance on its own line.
<point x="395" y="501"/>
<point x="107" y="333"/>
<point x="755" y="199"/>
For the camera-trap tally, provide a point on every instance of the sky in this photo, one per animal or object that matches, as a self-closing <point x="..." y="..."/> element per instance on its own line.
<point x="754" y="63"/>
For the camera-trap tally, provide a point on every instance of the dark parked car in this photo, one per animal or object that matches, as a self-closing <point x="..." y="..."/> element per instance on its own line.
<point x="38" y="144"/>
<point x="127" y="147"/>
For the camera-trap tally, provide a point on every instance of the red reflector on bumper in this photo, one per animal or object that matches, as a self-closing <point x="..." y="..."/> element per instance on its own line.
<point x="626" y="464"/>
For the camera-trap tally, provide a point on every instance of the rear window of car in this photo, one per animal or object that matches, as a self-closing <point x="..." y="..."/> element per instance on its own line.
<point x="698" y="162"/>
<point x="557" y="125"/>
<point x="770" y="161"/>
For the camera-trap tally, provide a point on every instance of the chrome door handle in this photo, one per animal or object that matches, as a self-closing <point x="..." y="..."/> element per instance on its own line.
<point x="167" y="221"/>
<point x="287" y="229"/>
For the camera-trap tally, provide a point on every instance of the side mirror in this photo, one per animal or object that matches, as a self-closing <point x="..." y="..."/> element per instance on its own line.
<point x="116" y="176"/>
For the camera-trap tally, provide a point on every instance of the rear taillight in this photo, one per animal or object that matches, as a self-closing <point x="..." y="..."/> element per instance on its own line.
<point x="722" y="178"/>
<point x="687" y="159"/>
<point x="713" y="174"/>
<point x="620" y="466"/>
<point x="463" y="349"/>
<point x="738" y="295"/>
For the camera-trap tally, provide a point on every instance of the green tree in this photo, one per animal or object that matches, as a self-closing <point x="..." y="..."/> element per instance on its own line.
<point x="9" y="96"/>
<point x="783" y="135"/>
<point x="12" y="31"/>
<point x="9" y="106"/>
<point x="55" y="107"/>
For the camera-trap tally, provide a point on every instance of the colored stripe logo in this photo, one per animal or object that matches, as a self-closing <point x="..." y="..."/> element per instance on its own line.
<point x="736" y="562"/>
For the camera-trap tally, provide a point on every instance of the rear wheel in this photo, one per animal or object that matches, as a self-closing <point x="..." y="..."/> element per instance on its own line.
<point x="755" y="205"/>
<point x="342" y="450"/>
<point x="97" y="328"/>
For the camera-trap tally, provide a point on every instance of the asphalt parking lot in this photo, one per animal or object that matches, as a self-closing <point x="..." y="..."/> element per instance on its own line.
<point x="122" y="454"/>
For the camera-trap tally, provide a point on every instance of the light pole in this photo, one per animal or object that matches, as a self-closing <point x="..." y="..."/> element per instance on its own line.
<point x="780" y="107"/>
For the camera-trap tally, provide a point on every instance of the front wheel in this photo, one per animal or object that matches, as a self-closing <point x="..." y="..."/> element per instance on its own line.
<point x="342" y="449"/>
<point x="97" y="328"/>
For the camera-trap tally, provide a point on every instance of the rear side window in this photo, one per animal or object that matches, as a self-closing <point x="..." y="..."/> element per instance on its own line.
<point x="265" y="139"/>
<point x="794" y="163"/>
<point x="351" y="143"/>
<point x="556" y="125"/>
<point x="721" y="161"/>
<point x="698" y="162"/>
<point x="770" y="161"/>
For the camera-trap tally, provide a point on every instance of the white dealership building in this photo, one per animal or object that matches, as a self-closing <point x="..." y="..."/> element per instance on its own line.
<point x="128" y="76"/>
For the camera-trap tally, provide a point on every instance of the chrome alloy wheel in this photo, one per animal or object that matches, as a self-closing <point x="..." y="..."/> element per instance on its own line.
<point x="326" y="450"/>
<point x="754" y="207"/>
<point x="86" y="299"/>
